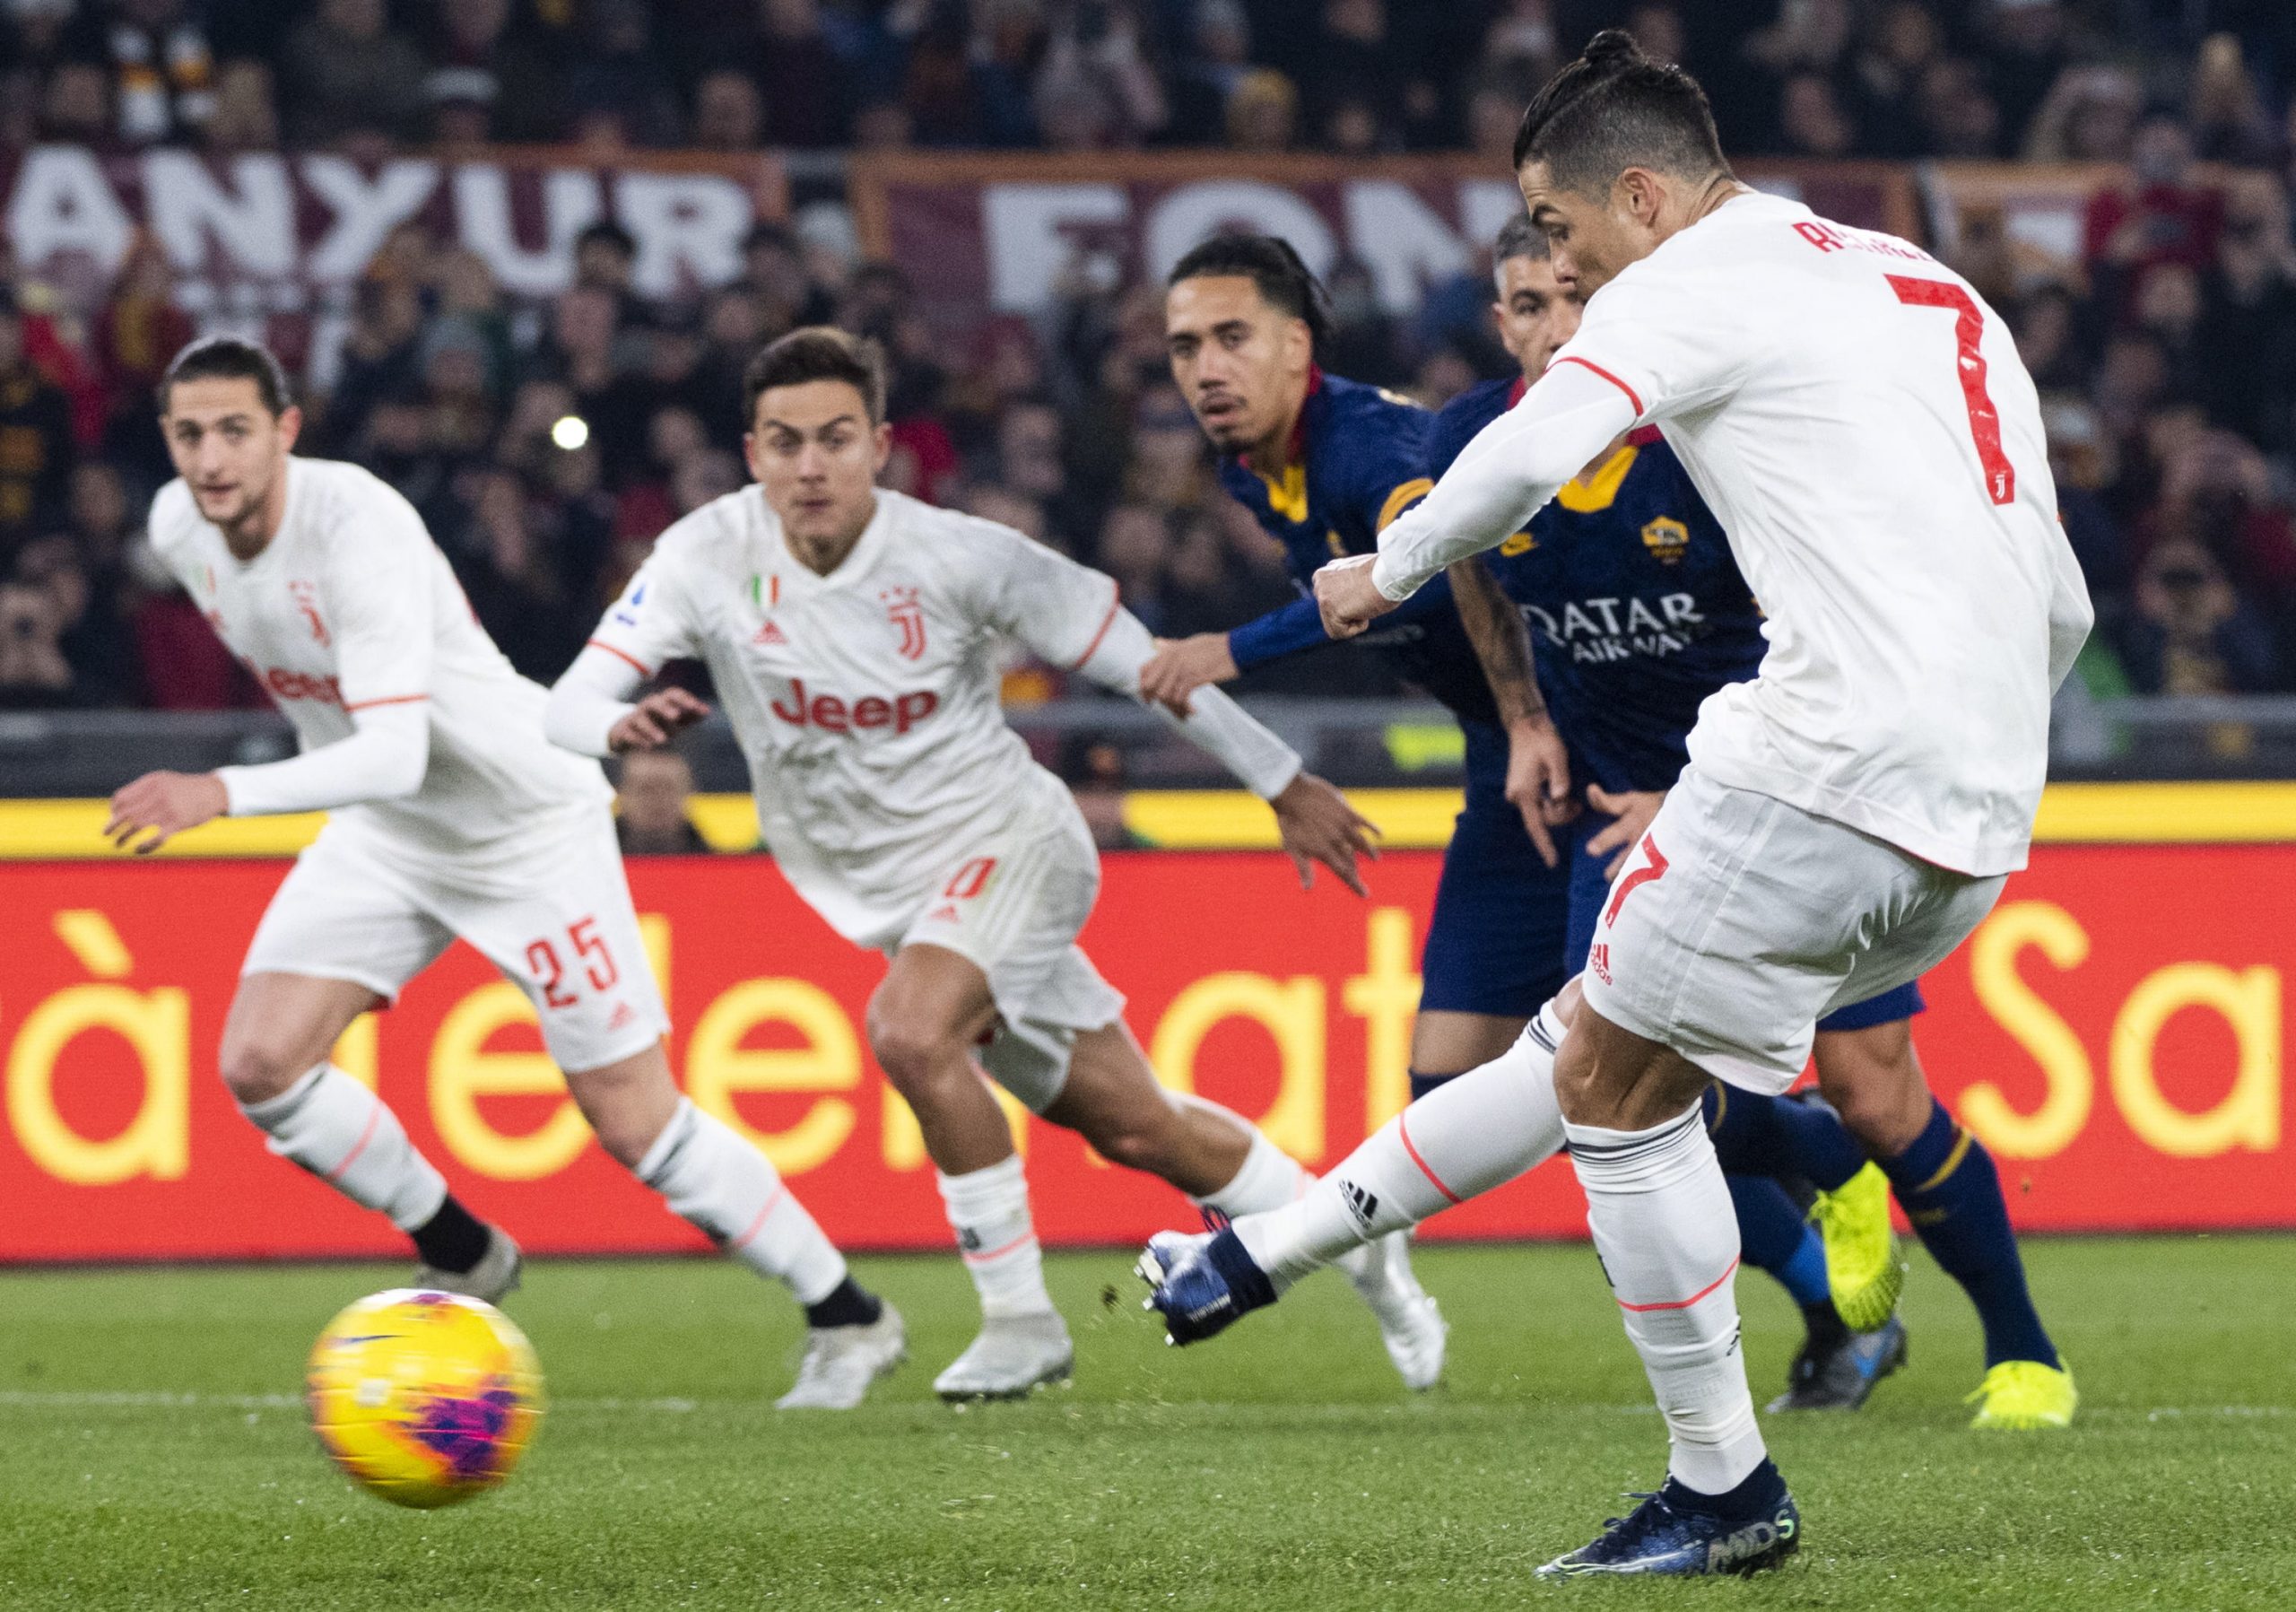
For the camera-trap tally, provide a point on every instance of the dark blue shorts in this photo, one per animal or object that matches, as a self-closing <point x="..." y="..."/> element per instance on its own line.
<point x="1495" y="943"/>
<point x="1589" y="890"/>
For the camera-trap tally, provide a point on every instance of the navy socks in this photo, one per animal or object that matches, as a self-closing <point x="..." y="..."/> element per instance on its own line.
<point x="1948" y="1187"/>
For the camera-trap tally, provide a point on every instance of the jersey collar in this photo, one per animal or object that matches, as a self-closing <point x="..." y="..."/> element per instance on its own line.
<point x="854" y="568"/>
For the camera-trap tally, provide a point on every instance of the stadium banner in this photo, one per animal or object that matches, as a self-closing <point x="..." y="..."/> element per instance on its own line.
<point x="279" y="237"/>
<point x="1003" y="234"/>
<point x="2033" y="215"/>
<point x="2115" y="1032"/>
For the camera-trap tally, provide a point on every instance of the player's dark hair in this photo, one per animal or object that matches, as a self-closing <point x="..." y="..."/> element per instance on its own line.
<point x="1614" y="109"/>
<point x="228" y="358"/>
<point x="1269" y="263"/>
<point x="817" y="353"/>
<point x="1518" y="237"/>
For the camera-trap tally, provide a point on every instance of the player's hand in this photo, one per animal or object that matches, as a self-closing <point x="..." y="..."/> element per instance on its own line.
<point x="1632" y="810"/>
<point x="653" y="719"/>
<point x="1539" y="779"/>
<point x="160" y="806"/>
<point x="1318" y="826"/>
<point x="1347" y="597"/>
<point x="1181" y="665"/>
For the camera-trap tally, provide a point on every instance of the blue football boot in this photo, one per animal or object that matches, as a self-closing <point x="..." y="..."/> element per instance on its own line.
<point x="1671" y="1533"/>
<point x="1201" y="1284"/>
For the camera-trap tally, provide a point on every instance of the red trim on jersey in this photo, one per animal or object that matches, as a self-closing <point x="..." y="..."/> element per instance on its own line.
<point x="1606" y="375"/>
<point x="1402" y="1130"/>
<point x="1107" y="622"/>
<point x="386" y="699"/>
<point x="1515" y="393"/>
<point x="1681" y="1304"/>
<point x="643" y="669"/>
<point x="1644" y="436"/>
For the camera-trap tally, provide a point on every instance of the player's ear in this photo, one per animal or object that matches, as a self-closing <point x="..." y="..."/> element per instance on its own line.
<point x="1639" y="194"/>
<point x="882" y="448"/>
<point x="291" y="426"/>
<point x="749" y="456"/>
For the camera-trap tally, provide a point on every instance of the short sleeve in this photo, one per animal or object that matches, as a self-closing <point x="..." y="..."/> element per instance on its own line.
<point x="379" y="606"/>
<point x="651" y="623"/>
<point x="1059" y="609"/>
<point x="1670" y="344"/>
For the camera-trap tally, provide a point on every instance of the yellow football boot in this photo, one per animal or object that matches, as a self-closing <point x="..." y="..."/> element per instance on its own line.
<point x="1863" y="1264"/>
<point x="2025" y="1396"/>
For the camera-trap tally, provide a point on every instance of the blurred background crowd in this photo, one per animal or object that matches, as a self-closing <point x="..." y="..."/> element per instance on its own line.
<point x="547" y="444"/>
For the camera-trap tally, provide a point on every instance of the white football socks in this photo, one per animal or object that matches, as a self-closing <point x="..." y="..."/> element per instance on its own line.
<point x="347" y="1136"/>
<point x="989" y="1212"/>
<point x="1269" y="1179"/>
<point x="731" y="1192"/>
<point x="1668" y="1239"/>
<point x="1475" y="1131"/>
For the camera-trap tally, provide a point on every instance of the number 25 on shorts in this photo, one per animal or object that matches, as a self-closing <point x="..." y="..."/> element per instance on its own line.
<point x="550" y="972"/>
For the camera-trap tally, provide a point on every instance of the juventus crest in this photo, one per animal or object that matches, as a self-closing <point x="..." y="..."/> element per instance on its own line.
<point x="908" y="616"/>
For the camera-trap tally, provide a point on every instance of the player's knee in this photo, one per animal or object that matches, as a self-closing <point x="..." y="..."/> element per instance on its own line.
<point x="1884" y="1113"/>
<point x="915" y="1058"/>
<point x="257" y="1070"/>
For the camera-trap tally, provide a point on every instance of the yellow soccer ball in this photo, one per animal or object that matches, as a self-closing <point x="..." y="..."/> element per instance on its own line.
<point x="424" y="1398"/>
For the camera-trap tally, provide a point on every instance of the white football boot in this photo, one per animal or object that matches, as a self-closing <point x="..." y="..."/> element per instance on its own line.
<point x="1411" y="1324"/>
<point x="495" y="1274"/>
<point x="1013" y="1355"/>
<point x="840" y="1363"/>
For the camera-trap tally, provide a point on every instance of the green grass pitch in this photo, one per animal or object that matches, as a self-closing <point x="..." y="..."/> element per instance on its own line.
<point x="153" y="1452"/>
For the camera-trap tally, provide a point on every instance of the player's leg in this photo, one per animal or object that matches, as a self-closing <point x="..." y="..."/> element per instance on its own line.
<point x="341" y="935"/>
<point x="1472" y="1133"/>
<point x="718" y="1182"/>
<point x="932" y="1010"/>
<point x="1952" y="1193"/>
<point x="1110" y="1097"/>
<point x="560" y="926"/>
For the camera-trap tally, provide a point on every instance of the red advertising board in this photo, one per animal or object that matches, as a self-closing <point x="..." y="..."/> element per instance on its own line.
<point x="2115" y="1032"/>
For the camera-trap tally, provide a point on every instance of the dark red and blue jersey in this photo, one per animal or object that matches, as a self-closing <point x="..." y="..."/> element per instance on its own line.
<point x="1358" y="459"/>
<point x="1636" y="610"/>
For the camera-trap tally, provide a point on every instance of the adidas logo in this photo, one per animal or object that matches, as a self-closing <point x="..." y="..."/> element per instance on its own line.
<point x="770" y="634"/>
<point x="1362" y="1206"/>
<point x="624" y="1013"/>
<point x="945" y="913"/>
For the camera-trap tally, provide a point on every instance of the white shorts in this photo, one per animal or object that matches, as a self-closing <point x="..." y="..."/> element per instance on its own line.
<point x="1011" y="905"/>
<point x="1740" y="922"/>
<point x="555" y="918"/>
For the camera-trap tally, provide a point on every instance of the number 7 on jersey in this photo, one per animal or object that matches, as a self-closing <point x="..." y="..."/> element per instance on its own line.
<point x="1968" y="327"/>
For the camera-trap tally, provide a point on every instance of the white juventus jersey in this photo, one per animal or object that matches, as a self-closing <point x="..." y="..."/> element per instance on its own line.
<point x="866" y="701"/>
<point x="351" y="605"/>
<point x="1862" y="425"/>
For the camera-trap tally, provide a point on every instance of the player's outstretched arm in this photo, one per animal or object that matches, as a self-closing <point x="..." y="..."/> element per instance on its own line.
<point x="1314" y="819"/>
<point x="591" y="713"/>
<point x="384" y="758"/>
<point x="1502" y="478"/>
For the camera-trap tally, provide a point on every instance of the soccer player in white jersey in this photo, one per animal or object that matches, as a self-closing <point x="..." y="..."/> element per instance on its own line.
<point x="851" y="633"/>
<point x="1860" y="423"/>
<point x="450" y="816"/>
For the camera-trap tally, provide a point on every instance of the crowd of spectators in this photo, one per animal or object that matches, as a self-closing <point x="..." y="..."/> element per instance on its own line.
<point x="548" y="444"/>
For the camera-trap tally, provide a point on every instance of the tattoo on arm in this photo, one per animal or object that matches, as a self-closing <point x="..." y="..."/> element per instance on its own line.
<point x="1502" y="643"/>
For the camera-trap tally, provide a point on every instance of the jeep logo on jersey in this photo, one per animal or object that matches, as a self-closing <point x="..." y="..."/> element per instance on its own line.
<point x="833" y="715"/>
<point x="905" y="613"/>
